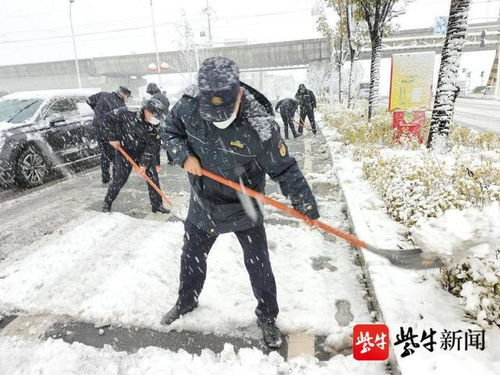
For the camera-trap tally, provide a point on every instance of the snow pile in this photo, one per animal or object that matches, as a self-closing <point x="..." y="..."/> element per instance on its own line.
<point x="458" y="234"/>
<point x="23" y="357"/>
<point x="469" y="239"/>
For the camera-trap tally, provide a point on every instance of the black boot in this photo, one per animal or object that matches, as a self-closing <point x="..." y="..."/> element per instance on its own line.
<point x="106" y="207"/>
<point x="161" y="209"/>
<point x="175" y="313"/>
<point x="271" y="334"/>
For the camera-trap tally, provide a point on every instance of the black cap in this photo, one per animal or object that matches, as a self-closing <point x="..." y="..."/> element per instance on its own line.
<point x="152" y="88"/>
<point x="218" y="84"/>
<point x="155" y="107"/>
<point x="124" y="90"/>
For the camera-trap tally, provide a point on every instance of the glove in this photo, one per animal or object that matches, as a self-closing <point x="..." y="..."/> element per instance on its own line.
<point x="311" y="211"/>
<point x="307" y="208"/>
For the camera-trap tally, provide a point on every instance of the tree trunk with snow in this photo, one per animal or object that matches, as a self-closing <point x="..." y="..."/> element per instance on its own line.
<point x="448" y="71"/>
<point x="352" y="53"/>
<point x="373" y="99"/>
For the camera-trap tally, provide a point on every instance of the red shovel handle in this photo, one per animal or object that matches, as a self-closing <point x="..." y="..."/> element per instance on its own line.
<point x="282" y="207"/>
<point x="136" y="168"/>
<point x="252" y="193"/>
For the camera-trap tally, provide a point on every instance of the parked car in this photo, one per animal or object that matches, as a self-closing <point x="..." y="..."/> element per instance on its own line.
<point x="44" y="130"/>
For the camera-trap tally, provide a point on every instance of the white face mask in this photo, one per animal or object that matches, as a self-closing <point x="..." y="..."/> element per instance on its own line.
<point x="154" y="121"/>
<point x="226" y="123"/>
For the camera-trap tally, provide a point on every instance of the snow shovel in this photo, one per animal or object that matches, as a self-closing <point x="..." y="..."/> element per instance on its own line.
<point x="410" y="258"/>
<point x="136" y="169"/>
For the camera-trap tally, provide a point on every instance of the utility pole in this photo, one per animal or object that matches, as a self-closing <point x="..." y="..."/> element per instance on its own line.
<point x="497" y="59"/>
<point x="74" y="44"/>
<point x="156" y="43"/>
<point x="208" y="12"/>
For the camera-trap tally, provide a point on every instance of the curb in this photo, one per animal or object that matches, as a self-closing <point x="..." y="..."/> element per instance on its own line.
<point x="372" y="299"/>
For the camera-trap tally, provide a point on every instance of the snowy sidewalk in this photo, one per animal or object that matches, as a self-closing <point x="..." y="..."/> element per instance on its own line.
<point x="99" y="270"/>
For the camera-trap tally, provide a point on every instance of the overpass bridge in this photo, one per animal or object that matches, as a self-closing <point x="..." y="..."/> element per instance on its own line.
<point x="108" y="72"/>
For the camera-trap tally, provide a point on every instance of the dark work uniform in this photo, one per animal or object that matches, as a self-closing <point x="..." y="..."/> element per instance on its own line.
<point x="102" y="103"/>
<point x="246" y="151"/>
<point x="307" y="102"/>
<point x="141" y="140"/>
<point x="158" y="95"/>
<point x="287" y="108"/>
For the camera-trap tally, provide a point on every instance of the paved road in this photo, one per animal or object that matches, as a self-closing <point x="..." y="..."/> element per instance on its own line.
<point x="479" y="114"/>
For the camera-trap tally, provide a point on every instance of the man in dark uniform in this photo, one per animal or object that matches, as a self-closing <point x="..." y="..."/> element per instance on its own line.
<point x="307" y="102"/>
<point x="222" y="127"/>
<point x="137" y="131"/>
<point x="153" y="90"/>
<point x="155" y="93"/>
<point x="101" y="103"/>
<point x="287" y="108"/>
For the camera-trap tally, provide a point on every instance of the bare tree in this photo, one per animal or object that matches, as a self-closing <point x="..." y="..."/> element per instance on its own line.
<point x="346" y="39"/>
<point x="447" y="89"/>
<point x="377" y="14"/>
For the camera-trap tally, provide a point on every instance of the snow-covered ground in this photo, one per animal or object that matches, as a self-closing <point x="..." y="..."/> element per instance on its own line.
<point x="113" y="269"/>
<point x="26" y="357"/>
<point x="408" y="299"/>
<point x="122" y="270"/>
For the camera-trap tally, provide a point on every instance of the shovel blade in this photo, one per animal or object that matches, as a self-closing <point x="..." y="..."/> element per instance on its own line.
<point x="408" y="258"/>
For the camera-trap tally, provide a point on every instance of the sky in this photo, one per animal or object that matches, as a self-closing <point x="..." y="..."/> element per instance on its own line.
<point x="35" y="31"/>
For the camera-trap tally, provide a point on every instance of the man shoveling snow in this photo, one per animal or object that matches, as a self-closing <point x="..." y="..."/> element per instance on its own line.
<point x="226" y="129"/>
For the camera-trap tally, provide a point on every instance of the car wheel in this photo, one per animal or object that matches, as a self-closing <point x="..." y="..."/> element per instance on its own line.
<point x="32" y="168"/>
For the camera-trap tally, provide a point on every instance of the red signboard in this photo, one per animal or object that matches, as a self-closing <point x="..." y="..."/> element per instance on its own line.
<point x="408" y="124"/>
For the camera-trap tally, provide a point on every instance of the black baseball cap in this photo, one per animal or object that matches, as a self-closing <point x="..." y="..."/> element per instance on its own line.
<point x="124" y="90"/>
<point x="156" y="108"/>
<point x="218" y="85"/>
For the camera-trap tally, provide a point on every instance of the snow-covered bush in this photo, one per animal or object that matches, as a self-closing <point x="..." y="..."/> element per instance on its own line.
<point x="469" y="240"/>
<point x="417" y="184"/>
<point x="477" y="281"/>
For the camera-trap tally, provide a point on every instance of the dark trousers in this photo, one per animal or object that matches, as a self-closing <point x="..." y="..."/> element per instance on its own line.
<point x="288" y="123"/>
<point x="309" y="112"/>
<point x="197" y="245"/>
<point x="169" y="158"/>
<point x="107" y="156"/>
<point x="121" y="171"/>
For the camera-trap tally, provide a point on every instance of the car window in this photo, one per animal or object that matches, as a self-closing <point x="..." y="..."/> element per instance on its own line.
<point x="83" y="108"/>
<point x="18" y="110"/>
<point x="64" y="107"/>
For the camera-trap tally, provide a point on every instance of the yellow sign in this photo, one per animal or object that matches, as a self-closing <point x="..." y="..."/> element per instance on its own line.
<point x="411" y="81"/>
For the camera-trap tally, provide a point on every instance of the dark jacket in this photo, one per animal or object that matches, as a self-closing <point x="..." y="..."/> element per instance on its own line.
<point x="306" y="99"/>
<point x="163" y="100"/>
<point x="101" y="103"/>
<point x="138" y="137"/>
<point x="287" y="107"/>
<point x="243" y="152"/>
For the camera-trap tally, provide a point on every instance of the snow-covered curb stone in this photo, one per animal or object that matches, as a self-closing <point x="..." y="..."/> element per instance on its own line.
<point x="407" y="298"/>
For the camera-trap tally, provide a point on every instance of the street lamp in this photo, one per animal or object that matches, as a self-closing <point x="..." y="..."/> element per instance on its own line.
<point x="158" y="68"/>
<point x="74" y="44"/>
